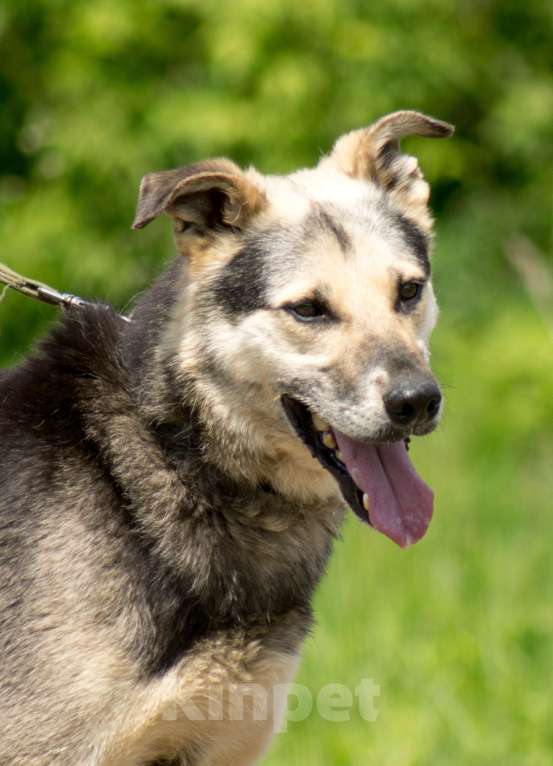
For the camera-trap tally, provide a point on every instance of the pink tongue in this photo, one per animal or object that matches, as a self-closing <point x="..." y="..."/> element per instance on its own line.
<point x="400" y="503"/>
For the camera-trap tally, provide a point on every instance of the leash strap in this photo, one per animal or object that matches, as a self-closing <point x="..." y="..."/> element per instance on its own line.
<point x="40" y="291"/>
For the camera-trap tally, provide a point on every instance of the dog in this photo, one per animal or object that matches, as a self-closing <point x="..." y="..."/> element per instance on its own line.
<point x="171" y="486"/>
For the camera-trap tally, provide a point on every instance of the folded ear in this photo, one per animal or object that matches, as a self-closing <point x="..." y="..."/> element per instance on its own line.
<point x="205" y="195"/>
<point x="374" y="154"/>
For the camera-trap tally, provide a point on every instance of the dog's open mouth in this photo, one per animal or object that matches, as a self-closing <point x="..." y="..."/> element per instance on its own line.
<point x="378" y="480"/>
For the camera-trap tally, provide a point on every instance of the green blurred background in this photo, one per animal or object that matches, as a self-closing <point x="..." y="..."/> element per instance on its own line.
<point x="458" y="631"/>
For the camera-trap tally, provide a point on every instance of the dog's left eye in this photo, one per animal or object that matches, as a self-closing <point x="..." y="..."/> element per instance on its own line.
<point x="307" y="311"/>
<point x="410" y="291"/>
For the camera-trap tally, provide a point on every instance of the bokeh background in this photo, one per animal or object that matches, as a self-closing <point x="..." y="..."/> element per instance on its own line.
<point x="458" y="631"/>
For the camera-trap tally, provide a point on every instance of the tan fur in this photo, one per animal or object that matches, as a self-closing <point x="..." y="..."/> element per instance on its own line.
<point x="182" y="194"/>
<point x="267" y="450"/>
<point x="163" y="716"/>
<point x="373" y="154"/>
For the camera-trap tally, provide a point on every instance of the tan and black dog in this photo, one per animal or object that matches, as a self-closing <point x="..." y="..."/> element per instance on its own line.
<point x="170" y="488"/>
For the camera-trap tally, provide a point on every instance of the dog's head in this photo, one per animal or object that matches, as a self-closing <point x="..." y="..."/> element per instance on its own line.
<point x="309" y="297"/>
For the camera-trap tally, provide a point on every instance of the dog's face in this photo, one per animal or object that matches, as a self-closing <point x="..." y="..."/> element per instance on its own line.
<point x="313" y="296"/>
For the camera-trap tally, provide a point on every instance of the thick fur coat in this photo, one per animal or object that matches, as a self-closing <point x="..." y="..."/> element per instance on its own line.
<point x="162" y="526"/>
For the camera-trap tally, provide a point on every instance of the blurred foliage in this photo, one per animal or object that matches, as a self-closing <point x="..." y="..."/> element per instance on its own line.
<point x="94" y="94"/>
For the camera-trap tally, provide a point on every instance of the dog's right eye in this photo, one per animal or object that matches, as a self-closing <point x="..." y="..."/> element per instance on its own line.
<point x="308" y="311"/>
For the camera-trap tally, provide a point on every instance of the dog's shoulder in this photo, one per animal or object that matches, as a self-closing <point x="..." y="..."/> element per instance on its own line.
<point x="41" y="395"/>
<point x="43" y="401"/>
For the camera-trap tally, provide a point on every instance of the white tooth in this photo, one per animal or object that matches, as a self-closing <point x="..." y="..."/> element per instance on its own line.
<point x="328" y="440"/>
<point x="366" y="502"/>
<point x="319" y="423"/>
<point x="339" y="455"/>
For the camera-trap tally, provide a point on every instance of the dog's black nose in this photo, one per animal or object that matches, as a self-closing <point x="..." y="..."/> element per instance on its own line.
<point x="409" y="403"/>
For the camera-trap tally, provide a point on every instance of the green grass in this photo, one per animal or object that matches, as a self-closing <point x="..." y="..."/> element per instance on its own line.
<point x="457" y="631"/>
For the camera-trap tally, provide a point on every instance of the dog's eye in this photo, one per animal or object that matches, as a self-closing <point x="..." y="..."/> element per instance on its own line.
<point x="410" y="291"/>
<point x="307" y="311"/>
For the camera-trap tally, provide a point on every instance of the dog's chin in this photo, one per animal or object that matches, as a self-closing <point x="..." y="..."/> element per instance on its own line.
<point x="375" y="476"/>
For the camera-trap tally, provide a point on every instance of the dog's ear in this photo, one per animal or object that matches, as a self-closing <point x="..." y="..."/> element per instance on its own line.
<point x="205" y="195"/>
<point x="374" y="154"/>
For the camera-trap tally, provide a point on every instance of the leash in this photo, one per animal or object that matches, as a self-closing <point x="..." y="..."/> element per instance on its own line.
<point x="42" y="292"/>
